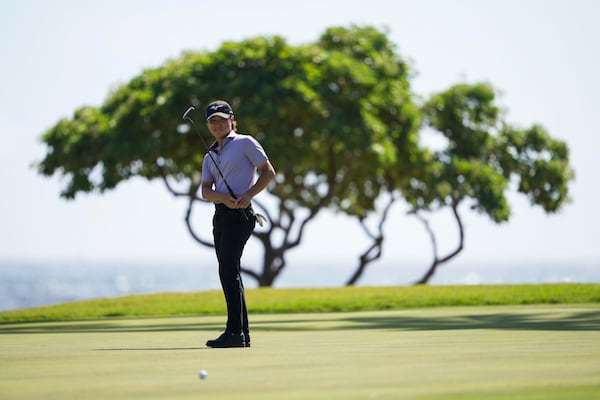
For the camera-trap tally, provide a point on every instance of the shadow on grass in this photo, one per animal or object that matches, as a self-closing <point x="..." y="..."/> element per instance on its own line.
<point x="151" y="348"/>
<point x="115" y="325"/>
<point x="582" y="321"/>
<point x="588" y="320"/>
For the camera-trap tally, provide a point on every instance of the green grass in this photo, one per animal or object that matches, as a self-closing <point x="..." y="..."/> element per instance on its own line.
<point x="442" y="342"/>
<point x="312" y="300"/>
<point x="525" y="352"/>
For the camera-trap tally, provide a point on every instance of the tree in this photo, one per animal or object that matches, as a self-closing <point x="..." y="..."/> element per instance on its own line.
<point x="392" y="133"/>
<point x="483" y="155"/>
<point x="314" y="108"/>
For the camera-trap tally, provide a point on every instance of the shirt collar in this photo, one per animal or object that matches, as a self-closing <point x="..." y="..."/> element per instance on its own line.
<point x="228" y="138"/>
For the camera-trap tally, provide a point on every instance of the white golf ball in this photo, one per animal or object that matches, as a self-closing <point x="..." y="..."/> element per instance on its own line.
<point x="202" y="374"/>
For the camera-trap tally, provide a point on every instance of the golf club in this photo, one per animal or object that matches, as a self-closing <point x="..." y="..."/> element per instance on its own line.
<point x="186" y="115"/>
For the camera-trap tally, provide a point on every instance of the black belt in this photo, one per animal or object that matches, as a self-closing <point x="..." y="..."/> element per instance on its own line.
<point x="220" y="207"/>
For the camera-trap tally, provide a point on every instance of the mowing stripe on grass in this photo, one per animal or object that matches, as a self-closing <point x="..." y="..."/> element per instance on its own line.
<point x="499" y="352"/>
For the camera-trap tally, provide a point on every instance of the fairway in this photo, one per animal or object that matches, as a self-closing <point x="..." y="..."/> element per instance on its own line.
<point x="499" y="352"/>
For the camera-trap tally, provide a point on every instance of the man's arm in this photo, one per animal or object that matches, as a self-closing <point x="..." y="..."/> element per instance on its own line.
<point x="208" y="193"/>
<point x="266" y="173"/>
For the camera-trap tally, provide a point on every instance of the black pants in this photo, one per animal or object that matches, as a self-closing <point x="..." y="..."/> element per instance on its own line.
<point x="231" y="231"/>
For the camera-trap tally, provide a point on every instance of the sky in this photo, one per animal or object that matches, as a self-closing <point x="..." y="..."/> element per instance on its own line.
<point x="542" y="56"/>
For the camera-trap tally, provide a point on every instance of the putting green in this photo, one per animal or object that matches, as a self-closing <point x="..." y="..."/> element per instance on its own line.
<point x="524" y="352"/>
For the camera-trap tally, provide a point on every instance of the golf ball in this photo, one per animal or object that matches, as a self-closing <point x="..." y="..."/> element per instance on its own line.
<point x="202" y="374"/>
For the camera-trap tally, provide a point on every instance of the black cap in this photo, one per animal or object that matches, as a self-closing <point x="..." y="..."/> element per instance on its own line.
<point x="220" y="108"/>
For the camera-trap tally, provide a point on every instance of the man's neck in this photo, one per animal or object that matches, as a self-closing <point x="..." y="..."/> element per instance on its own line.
<point x="221" y="140"/>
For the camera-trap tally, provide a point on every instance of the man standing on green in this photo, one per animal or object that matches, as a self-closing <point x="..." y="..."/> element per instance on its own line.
<point x="240" y="159"/>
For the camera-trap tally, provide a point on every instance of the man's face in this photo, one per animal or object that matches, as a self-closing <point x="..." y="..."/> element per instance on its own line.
<point x="219" y="126"/>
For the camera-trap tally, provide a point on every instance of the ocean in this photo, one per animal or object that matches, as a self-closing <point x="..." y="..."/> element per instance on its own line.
<point x="31" y="284"/>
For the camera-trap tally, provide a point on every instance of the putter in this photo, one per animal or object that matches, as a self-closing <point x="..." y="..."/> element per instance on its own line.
<point x="186" y="115"/>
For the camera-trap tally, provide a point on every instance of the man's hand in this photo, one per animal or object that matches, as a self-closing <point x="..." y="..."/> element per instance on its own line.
<point x="231" y="202"/>
<point x="244" y="201"/>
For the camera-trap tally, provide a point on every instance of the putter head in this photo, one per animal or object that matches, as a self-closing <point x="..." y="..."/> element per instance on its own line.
<point x="187" y="112"/>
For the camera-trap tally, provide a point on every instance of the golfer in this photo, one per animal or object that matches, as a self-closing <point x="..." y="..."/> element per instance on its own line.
<point x="247" y="170"/>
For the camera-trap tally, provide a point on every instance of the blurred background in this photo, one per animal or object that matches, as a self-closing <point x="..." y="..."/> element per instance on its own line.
<point x="61" y="55"/>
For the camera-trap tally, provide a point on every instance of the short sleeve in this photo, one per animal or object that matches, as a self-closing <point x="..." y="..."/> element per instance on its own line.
<point x="255" y="152"/>
<point x="206" y="172"/>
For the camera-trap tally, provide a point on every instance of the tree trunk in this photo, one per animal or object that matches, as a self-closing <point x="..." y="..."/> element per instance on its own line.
<point x="365" y="259"/>
<point x="376" y="249"/>
<point x="285" y="224"/>
<point x="437" y="261"/>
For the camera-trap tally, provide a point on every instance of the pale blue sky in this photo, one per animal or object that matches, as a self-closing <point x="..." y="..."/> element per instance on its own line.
<point x="59" y="55"/>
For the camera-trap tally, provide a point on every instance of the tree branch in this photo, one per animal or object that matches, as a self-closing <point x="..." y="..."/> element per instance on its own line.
<point x="461" y="235"/>
<point x="374" y="251"/>
<point x="188" y="223"/>
<point x="436" y="260"/>
<point x="170" y="188"/>
<point x="250" y="273"/>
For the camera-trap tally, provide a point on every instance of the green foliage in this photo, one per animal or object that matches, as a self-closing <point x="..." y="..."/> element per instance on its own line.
<point x="267" y="300"/>
<point x="483" y="154"/>
<point x="339" y="122"/>
<point x="314" y="107"/>
<point x="540" y="164"/>
<point x="466" y="116"/>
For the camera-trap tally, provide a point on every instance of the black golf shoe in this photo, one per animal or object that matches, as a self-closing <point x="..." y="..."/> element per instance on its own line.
<point x="227" y="339"/>
<point x="247" y="339"/>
